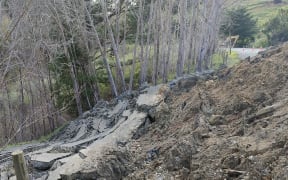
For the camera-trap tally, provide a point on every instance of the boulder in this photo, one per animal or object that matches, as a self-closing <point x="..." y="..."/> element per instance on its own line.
<point x="152" y="96"/>
<point x="262" y="113"/>
<point x="45" y="161"/>
<point x="260" y="96"/>
<point x="187" y="82"/>
<point x="157" y="112"/>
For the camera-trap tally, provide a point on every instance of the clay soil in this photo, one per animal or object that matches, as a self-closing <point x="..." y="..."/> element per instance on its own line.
<point x="233" y="126"/>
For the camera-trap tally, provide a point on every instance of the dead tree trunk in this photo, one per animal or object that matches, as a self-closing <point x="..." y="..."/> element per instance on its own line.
<point x="181" y="49"/>
<point x="132" y="73"/>
<point x="114" y="46"/>
<point x="103" y="54"/>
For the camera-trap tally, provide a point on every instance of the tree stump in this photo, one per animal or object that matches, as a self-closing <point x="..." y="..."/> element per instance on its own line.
<point x="20" y="165"/>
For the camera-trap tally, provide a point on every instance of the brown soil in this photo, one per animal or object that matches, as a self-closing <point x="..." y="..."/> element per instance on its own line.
<point x="232" y="127"/>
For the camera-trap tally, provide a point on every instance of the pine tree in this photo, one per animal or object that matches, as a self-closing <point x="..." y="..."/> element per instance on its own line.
<point x="277" y="1"/>
<point x="239" y="22"/>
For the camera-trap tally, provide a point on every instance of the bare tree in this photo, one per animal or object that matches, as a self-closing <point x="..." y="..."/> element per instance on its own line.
<point x="114" y="46"/>
<point x="181" y="50"/>
<point x="144" y="66"/>
<point x="139" y="20"/>
<point x="40" y="32"/>
<point x="103" y="53"/>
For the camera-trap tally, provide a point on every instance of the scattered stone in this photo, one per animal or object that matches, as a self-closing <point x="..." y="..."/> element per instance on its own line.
<point x="194" y="166"/>
<point x="260" y="97"/>
<point x="13" y="178"/>
<point x="45" y="161"/>
<point x="238" y="132"/>
<point x="44" y="177"/>
<point x="126" y="113"/>
<point x="180" y="156"/>
<point x="153" y="96"/>
<point x="55" y="165"/>
<point x="155" y="113"/>
<point x="238" y="105"/>
<point x="215" y="120"/>
<point x="152" y="154"/>
<point x="187" y="82"/>
<point x="4" y="175"/>
<point x="261" y="113"/>
<point x="231" y="162"/>
<point x="234" y="173"/>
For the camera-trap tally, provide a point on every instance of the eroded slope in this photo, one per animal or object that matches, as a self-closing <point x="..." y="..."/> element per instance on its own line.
<point x="234" y="126"/>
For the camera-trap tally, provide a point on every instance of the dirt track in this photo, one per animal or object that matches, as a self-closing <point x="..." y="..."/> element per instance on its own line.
<point x="246" y="52"/>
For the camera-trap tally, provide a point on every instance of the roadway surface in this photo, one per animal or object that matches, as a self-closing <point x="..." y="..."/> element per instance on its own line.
<point x="246" y="52"/>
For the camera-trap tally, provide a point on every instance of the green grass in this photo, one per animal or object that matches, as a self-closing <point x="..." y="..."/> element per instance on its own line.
<point x="56" y="131"/>
<point x="42" y="139"/>
<point x="262" y="11"/>
<point x="233" y="59"/>
<point x="17" y="144"/>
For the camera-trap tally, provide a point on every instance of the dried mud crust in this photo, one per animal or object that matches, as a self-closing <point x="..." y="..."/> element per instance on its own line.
<point x="235" y="127"/>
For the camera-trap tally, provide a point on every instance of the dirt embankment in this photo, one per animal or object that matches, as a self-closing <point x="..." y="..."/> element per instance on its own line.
<point x="234" y="126"/>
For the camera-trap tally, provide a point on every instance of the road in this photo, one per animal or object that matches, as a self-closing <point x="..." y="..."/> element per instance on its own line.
<point x="246" y="52"/>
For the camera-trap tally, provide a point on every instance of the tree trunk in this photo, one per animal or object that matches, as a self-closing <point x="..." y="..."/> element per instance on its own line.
<point x="22" y="114"/>
<point x="106" y="64"/>
<point x="156" y="57"/>
<point x="114" y="46"/>
<point x="181" y="49"/>
<point x="132" y="73"/>
<point x="144" y="67"/>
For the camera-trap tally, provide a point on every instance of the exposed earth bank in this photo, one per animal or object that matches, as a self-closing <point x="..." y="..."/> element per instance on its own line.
<point x="232" y="127"/>
<point x="230" y="124"/>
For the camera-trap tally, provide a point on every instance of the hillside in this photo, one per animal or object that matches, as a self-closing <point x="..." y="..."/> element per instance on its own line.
<point x="256" y="34"/>
<point x="230" y="124"/>
<point x="233" y="127"/>
<point x="262" y="10"/>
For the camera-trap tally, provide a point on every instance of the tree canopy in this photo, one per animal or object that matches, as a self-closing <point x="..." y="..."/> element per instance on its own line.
<point x="239" y="22"/>
<point x="276" y="28"/>
<point x="277" y="1"/>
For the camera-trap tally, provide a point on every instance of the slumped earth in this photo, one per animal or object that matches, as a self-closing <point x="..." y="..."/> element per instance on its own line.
<point x="229" y="124"/>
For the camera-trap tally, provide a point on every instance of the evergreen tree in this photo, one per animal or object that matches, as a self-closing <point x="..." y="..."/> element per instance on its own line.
<point x="239" y="22"/>
<point x="277" y="1"/>
<point x="276" y="29"/>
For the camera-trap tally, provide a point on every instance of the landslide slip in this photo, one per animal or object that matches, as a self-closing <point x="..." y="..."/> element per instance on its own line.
<point x="232" y="127"/>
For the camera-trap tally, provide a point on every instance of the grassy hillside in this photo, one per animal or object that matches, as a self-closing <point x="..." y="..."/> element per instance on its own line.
<point x="262" y="10"/>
